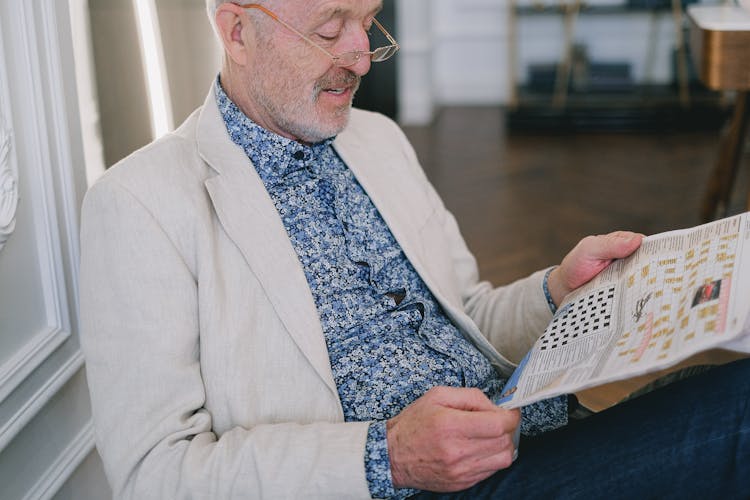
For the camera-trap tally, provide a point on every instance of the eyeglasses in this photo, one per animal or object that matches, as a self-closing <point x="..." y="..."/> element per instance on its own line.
<point x="347" y="58"/>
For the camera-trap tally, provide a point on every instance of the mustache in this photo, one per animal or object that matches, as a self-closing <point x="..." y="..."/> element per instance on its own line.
<point x="340" y="80"/>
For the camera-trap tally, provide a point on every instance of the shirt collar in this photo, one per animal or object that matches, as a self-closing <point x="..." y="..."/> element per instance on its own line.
<point x="274" y="156"/>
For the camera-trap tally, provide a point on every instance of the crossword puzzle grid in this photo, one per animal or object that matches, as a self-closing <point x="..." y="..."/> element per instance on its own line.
<point x="585" y="316"/>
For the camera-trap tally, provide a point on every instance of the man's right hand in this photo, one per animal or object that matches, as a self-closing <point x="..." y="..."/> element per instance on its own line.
<point x="450" y="439"/>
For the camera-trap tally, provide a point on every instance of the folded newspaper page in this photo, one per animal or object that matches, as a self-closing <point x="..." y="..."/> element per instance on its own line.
<point x="680" y="293"/>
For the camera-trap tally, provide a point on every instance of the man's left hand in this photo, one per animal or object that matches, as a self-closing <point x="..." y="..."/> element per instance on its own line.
<point x="590" y="257"/>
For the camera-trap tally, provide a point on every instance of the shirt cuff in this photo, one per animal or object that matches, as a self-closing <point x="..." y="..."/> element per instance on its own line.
<point x="378" y="465"/>
<point x="547" y="295"/>
<point x="377" y="462"/>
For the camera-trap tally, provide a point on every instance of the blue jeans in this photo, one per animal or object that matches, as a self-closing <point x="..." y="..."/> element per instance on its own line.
<point x="690" y="439"/>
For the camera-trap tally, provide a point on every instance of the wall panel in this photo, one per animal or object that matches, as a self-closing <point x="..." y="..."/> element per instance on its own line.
<point x="45" y="419"/>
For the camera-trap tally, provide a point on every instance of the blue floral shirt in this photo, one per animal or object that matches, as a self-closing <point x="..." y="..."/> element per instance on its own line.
<point x="388" y="339"/>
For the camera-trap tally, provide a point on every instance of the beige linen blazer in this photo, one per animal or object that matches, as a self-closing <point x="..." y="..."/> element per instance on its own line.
<point x="207" y="365"/>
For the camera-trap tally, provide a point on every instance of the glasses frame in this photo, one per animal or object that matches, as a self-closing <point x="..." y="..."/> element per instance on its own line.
<point x="344" y="59"/>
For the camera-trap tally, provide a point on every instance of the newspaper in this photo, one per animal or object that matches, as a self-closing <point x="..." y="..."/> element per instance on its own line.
<point x="680" y="293"/>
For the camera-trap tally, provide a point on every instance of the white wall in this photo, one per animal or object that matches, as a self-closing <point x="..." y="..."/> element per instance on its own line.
<point x="120" y="79"/>
<point x="191" y="52"/>
<point x="460" y="51"/>
<point x="46" y="437"/>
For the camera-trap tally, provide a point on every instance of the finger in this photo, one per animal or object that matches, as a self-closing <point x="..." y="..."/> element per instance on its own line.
<point x="616" y="245"/>
<point x="490" y="425"/>
<point x="591" y="256"/>
<point x="483" y="447"/>
<point x="486" y="462"/>
<point x="461" y="398"/>
<point x="496" y="461"/>
<point x="491" y="464"/>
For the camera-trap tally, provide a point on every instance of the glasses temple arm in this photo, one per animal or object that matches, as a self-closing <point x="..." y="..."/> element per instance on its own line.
<point x="385" y="32"/>
<point x="288" y="26"/>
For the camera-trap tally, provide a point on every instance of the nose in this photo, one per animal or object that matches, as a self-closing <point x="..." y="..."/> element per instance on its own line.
<point x="362" y="66"/>
<point x="360" y="43"/>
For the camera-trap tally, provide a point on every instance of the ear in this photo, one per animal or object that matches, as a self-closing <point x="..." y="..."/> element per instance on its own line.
<point x="231" y="23"/>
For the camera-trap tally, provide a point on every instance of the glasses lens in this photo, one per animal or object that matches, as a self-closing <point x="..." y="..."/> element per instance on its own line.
<point x="351" y="58"/>
<point x="348" y="59"/>
<point x="383" y="53"/>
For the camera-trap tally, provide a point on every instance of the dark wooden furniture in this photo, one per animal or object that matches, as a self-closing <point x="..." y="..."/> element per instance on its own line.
<point x="720" y="45"/>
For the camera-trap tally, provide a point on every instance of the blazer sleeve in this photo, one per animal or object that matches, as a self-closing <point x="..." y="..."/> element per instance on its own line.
<point x="513" y="316"/>
<point x="140" y="336"/>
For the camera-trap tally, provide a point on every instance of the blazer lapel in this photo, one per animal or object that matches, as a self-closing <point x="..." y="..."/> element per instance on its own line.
<point x="249" y="217"/>
<point x="393" y="194"/>
<point x="396" y="196"/>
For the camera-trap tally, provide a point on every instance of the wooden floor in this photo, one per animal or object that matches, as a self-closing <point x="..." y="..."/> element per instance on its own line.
<point x="523" y="201"/>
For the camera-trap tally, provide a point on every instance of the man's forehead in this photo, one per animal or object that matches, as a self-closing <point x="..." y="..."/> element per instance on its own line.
<point x="326" y="9"/>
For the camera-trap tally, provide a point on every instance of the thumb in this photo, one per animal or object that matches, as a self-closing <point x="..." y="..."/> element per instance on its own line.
<point x="617" y="245"/>
<point x="592" y="255"/>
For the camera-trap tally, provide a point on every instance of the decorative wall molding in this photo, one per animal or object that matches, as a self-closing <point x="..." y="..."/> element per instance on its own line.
<point x="8" y="188"/>
<point x="64" y="466"/>
<point x="31" y="405"/>
<point x="43" y="157"/>
<point x="44" y="409"/>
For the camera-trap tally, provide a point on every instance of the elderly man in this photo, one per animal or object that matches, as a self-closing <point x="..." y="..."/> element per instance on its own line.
<point x="276" y="304"/>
